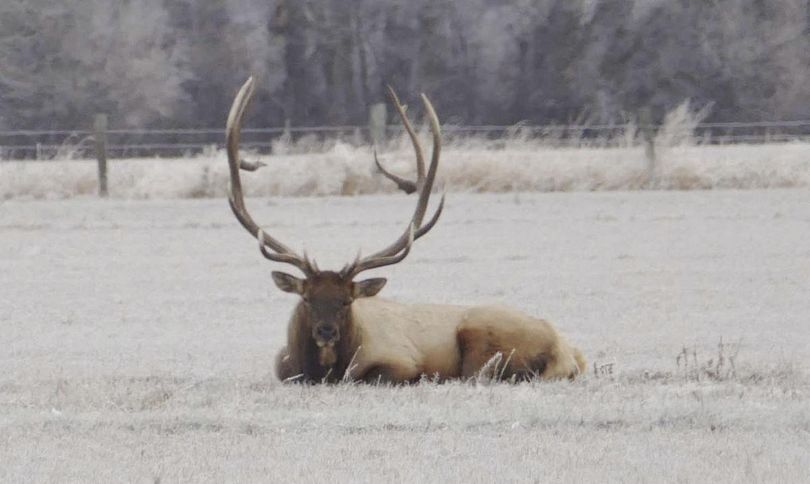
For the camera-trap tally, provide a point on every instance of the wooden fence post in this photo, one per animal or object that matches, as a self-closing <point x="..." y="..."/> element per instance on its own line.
<point x="376" y="123"/>
<point x="648" y="134"/>
<point x="100" y="136"/>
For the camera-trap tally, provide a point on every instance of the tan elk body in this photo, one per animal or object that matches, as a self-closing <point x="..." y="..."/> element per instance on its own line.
<point x="394" y="342"/>
<point x="340" y="330"/>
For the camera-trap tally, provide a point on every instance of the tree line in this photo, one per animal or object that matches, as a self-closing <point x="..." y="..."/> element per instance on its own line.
<point x="177" y="63"/>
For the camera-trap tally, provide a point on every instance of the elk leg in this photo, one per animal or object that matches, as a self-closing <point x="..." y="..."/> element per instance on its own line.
<point x="477" y="348"/>
<point x="286" y="371"/>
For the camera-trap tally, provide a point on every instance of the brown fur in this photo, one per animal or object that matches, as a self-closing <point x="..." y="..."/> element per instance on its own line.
<point x="453" y="342"/>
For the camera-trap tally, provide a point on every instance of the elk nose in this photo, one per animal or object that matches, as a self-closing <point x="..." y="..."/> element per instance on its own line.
<point x="326" y="332"/>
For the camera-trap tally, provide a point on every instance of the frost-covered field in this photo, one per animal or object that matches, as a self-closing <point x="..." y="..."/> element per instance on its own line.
<point x="137" y="340"/>
<point x="470" y="166"/>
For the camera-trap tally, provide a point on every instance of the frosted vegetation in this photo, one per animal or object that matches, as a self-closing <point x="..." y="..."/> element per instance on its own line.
<point x="137" y="341"/>
<point x="522" y="161"/>
<point x="324" y="62"/>
<point x="467" y="166"/>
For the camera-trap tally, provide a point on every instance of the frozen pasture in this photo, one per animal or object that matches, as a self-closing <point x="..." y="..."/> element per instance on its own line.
<point x="137" y="341"/>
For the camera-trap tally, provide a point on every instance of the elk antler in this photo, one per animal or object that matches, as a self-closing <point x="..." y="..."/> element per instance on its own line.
<point x="424" y="184"/>
<point x="276" y="251"/>
<point x="406" y="186"/>
<point x="269" y="246"/>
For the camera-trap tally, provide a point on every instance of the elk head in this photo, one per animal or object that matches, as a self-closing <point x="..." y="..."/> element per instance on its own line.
<point x="327" y="296"/>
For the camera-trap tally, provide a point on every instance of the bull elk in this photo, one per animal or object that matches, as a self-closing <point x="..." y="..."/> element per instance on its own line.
<point x="340" y="330"/>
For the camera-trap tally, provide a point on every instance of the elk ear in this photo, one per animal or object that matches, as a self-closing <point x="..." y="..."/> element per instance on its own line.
<point x="288" y="283"/>
<point x="368" y="288"/>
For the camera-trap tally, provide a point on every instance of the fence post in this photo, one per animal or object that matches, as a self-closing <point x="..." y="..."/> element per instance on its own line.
<point x="377" y="115"/>
<point x="648" y="135"/>
<point x="100" y="136"/>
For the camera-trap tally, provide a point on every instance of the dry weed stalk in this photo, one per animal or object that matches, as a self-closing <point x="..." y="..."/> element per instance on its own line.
<point x="719" y="368"/>
<point x="494" y="369"/>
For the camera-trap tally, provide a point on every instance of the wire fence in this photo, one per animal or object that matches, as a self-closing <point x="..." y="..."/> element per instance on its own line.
<point x="127" y="143"/>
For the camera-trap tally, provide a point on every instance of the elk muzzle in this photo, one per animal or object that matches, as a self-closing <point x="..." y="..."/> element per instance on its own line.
<point x="325" y="336"/>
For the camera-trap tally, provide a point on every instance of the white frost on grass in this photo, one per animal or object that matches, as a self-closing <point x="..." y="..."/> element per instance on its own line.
<point x="137" y="340"/>
<point x="347" y="170"/>
<point x="240" y="430"/>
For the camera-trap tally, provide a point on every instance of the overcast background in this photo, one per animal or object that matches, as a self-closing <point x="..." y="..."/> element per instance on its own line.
<point x="177" y="63"/>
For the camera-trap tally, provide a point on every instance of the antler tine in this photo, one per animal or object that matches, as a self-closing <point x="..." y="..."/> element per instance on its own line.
<point x="404" y="240"/>
<point x="435" y="218"/>
<point x="305" y="264"/>
<point x="372" y="263"/>
<point x="311" y="264"/>
<point x="348" y="268"/>
<point x="435" y="129"/>
<point x="417" y="148"/>
<point x="406" y="186"/>
<point x="236" y="197"/>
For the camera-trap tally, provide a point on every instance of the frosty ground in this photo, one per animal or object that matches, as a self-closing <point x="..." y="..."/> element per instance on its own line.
<point x="137" y="341"/>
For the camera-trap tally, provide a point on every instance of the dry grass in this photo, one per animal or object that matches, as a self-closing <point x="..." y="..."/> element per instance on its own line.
<point x="219" y="429"/>
<point x="346" y="170"/>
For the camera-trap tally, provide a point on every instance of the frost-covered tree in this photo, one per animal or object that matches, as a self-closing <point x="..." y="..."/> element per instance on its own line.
<point x="763" y="49"/>
<point x="64" y="61"/>
<point x="178" y="62"/>
<point x="227" y="40"/>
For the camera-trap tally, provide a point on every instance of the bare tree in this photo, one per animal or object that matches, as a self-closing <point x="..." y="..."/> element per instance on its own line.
<point x="325" y="61"/>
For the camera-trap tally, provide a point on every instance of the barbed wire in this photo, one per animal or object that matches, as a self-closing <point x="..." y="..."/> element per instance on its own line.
<point x="43" y="144"/>
<point x="350" y="128"/>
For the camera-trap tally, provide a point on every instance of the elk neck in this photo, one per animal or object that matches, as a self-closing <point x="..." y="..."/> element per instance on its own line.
<point x="345" y="348"/>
